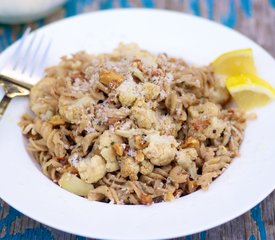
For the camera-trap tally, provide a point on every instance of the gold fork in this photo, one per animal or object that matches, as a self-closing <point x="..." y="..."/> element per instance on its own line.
<point x="29" y="60"/>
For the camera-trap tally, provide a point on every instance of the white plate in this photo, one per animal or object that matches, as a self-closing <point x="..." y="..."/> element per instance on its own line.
<point x="248" y="180"/>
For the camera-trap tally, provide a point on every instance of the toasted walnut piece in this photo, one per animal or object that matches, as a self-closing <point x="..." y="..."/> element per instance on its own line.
<point x="118" y="149"/>
<point x="70" y="169"/>
<point x="110" y="78"/>
<point x="200" y="124"/>
<point x="138" y="64"/>
<point x="95" y="196"/>
<point x="178" y="193"/>
<point x="178" y="174"/>
<point x="56" y="120"/>
<point x="129" y="168"/>
<point x="113" y="120"/>
<point x="168" y="197"/>
<point x="140" y="143"/>
<point x="191" y="185"/>
<point x="139" y="156"/>
<point x="190" y="142"/>
<point x="171" y="187"/>
<point x="146" y="199"/>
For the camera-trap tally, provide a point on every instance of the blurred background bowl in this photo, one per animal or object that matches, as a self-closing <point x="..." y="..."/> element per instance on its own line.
<point x="22" y="11"/>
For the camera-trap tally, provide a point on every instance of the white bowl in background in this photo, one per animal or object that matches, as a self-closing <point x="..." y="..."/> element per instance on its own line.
<point x="19" y="11"/>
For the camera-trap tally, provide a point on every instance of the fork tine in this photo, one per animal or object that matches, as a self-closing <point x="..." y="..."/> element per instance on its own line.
<point x="10" y="60"/>
<point x="41" y="61"/>
<point x="27" y="55"/>
<point x="19" y="48"/>
<point x="35" y="56"/>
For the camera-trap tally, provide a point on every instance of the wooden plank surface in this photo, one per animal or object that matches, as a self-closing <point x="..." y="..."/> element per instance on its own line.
<point x="255" y="19"/>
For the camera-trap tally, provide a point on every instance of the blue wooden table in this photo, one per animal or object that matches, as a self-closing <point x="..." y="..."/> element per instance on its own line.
<point x="254" y="18"/>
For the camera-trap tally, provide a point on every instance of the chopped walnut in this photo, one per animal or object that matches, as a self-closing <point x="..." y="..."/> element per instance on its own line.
<point x="56" y="120"/>
<point x="139" y="156"/>
<point x="140" y="142"/>
<point x="168" y="197"/>
<point x="190" y="142"/>
<point x="146" y="199"/>
<point x="110" y="78"/>
<point x="118" y="149"/>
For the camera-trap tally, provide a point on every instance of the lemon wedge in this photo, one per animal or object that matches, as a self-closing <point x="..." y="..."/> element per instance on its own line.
<point x="235" y="62"/>
<point x="250" y="91"/>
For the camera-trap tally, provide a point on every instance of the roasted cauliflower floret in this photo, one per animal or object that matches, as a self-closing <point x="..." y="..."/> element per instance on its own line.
<point x="204" y="121"/>
<point x="205" y="127"/>
<point x="161" y="150"/>
<point x="186" y="158"/>
<point x="105" y="143"/>
<point x="151" y="90"/>
<point x="143" y="117"/>
<point x="207" y="109"/>
<point x="92" y="169"/>
<point x="128" y="93"/>
<point x="75" y="110"/>
<point x="215" y="128"/>
<point x="168" y="126"/>
<point x="108" y="138"/>
<point x="129" y="168"/>
<point x="146" y="167"/>
<point x="110" y="157"/>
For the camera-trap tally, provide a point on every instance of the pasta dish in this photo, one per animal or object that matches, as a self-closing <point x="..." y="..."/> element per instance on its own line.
<point x="132" y="127"/>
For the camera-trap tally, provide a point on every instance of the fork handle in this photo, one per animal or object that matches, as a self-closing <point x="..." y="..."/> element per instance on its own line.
<point x="4" y="104"/>
<point x="5" y="78"/>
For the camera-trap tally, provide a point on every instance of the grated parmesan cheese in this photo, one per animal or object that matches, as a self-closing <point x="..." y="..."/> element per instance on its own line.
<point x="131" y="153"/>
<point x="74" y="159"/>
